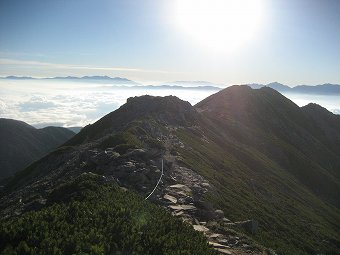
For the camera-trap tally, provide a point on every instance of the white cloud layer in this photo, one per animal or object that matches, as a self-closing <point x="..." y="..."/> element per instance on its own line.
<point x="67" y="104"/>
<point x="42" y="102"/>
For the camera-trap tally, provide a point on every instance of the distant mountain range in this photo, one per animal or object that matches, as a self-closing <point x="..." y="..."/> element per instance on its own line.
<point x="322" y="89"/>
<point x="194" y="84"/>
<point x="21" y="144"/>
<point x="75" y="129"/>
<point x="105" y="79"/>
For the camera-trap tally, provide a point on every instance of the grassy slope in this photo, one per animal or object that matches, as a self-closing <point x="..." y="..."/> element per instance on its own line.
<point x="250" y="185"/>
<point x="21" y="144"/>
<point x="255" y="173"/>
<point x="269" y="161"/>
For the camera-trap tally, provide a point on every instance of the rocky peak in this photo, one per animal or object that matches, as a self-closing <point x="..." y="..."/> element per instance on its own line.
<point x="244" y="103"/>
<point x="315" y="108"/>
<point x="167" y="111"/>
<point x="170" y="109"/>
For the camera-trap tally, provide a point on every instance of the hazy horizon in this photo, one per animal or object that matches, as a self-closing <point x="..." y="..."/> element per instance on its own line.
<point x="154" y="42"/>
<point x="238" y="42"/>
<point x="40" y="103"/>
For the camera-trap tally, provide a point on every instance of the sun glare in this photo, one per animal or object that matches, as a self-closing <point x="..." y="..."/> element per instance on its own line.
<point x="221" y="25"/>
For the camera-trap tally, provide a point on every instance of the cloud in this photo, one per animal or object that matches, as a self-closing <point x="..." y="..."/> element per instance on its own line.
<point x="336" y="111"/>
<point x="35" y="104"/>
<point x="28" y="63"/>
<point x="75" y="104"/>
<point x="3" y="107"/>
<point x="72" y="104"/>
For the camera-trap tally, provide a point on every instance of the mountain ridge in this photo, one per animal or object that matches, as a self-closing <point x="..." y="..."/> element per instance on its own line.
<point x="21" y="144"/>
<point x="323" y="89"/>
<point x="103" y="78"/>
<point x="251" y="155"/>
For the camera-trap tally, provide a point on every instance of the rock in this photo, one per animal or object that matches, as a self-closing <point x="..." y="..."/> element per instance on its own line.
<point x="224" y="251"/>
<point x="213" y="236"/>
<point x="188" y="207"/>
<point x="185" y="200"/>
<point x="219" y="214"/>
<point x="218" y="245"/>
<point x="35" y="205"/>
<point x="201" y="228"/>
<point x="223" y="241"/>
<point x="175" y="207"/>
<point x="114" y="155"/>
<point x="181" y="187"/>
<point x="212" y="224"/>
<point x="100" y="158"/>
<point x="226" y="220"/>
<point x="124" y="189"/>
<point x="178" y="213"/>
<point x="170" y="198"/>
<point x="186" y="219"/>
<point x="129" y="166"/>
<point x="205" y="184"/>
<point x="221" y="248"/>
<point x="136" y="153"/>
<point x="111" y="153"/>
<point x="179" y="193"/>
<point x="182" y="207"/>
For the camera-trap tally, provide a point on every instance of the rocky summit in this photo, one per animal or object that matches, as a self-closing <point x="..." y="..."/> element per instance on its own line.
<point x="249" y="170"/>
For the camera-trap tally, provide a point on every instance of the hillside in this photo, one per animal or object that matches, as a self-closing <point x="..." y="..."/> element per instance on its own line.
<point x="91" y="215"/>
<point x="21" y="144"/>
<point x="246" y="167"/>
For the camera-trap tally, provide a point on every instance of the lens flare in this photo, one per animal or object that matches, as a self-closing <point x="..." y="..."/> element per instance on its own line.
<point x="222" y="25"/>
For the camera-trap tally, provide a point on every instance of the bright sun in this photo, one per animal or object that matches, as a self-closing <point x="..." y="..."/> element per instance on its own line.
<point x="221" y="25"/>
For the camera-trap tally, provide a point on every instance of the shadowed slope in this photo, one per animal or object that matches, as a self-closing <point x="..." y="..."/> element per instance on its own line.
<point x="21" y="144"/>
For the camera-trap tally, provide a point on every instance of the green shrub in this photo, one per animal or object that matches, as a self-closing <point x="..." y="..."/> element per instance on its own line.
<point x="89" y="216"/>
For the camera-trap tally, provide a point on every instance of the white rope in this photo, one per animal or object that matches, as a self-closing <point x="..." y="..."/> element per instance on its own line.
<point x="159" y="180"/>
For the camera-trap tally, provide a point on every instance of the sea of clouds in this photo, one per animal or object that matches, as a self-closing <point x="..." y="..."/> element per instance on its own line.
<point x="42" y="103"/>
<point x="63" y="103"/>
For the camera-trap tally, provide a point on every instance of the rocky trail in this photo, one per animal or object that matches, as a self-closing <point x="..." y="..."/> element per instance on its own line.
<point x="181" y="192"/>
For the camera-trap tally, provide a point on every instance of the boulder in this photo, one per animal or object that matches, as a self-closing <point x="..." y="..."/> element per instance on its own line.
<point x="136" y="153"/>
<point x="201" y="228"/>
<point x="225" y="220"/>
<point x="182" y="207"/>
<point x="100" y="159"/>
<point x="169" y="198"/>
<point x="219" y="214"/>
<point x="224" y="251"/>
<point x="181" y="187"/>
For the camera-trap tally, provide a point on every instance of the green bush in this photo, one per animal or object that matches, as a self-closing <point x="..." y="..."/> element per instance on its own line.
<point x="89" y="216"/>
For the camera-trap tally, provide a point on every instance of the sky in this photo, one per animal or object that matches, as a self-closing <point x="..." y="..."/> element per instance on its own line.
<point x="290" y="41"/>
<point x="225" y="42"/>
